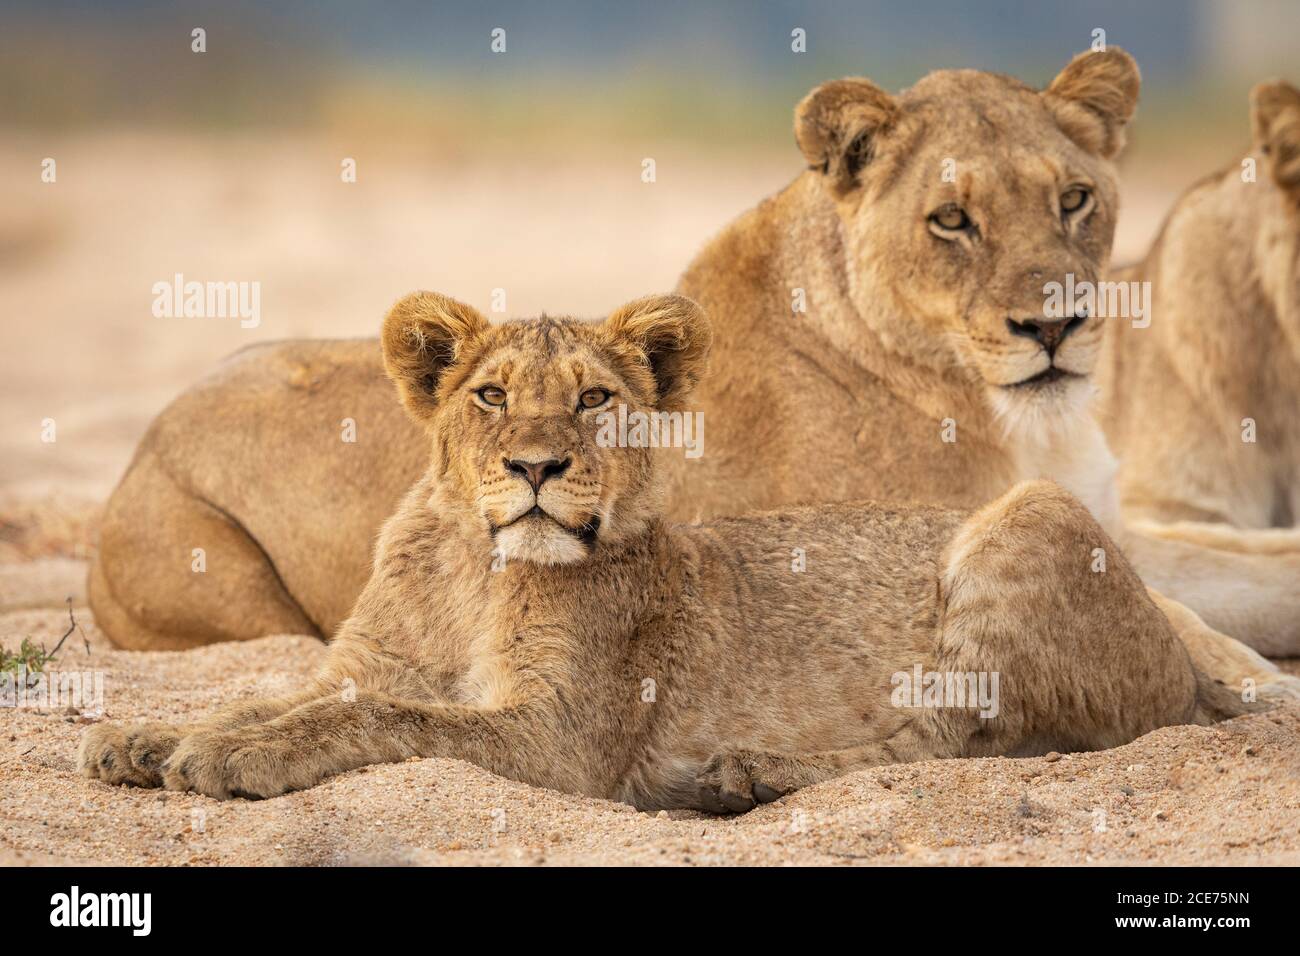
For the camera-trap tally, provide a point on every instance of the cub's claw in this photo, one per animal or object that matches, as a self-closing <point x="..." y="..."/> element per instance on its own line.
<point x="765" y="794"/>
<point x="737" y="781"/>
<point x="131" y="755"/>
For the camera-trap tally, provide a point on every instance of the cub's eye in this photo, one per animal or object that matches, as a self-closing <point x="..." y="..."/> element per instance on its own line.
<point x="950" y="218"/>
<point x="593" y="398"/>
<point x="492" y="395"/>
<point x="1072" y="199"/>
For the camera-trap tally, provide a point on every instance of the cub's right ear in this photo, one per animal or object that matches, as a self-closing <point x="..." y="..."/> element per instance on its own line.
<point x="424" y="335"/>
<point x="837" y="126"/>
<point x="1275" y="121"/>
<point x="663" y="344"/>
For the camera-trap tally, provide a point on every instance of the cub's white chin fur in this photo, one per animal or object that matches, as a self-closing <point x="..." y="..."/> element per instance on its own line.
<point x="540" y="541"/>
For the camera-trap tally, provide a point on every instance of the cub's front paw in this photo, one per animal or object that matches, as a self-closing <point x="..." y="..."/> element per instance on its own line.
<point x="736" y="781"/>
<point x="225" y="764"/>
<point x="121" y="754"/>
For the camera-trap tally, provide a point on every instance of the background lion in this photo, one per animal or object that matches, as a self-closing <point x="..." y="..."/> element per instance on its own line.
<point x="1202" y="405"/>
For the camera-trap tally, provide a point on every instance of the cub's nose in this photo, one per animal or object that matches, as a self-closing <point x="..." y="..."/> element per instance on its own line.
<point x="537" y="472"/>
<point x="1049" y="333"/>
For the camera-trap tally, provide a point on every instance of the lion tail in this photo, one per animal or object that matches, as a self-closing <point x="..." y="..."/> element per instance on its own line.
<point x="1216" y="701"/>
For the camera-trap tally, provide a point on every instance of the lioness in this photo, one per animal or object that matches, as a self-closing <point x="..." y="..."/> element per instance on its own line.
<point x="763" y="676"/>
<point x="1204" y="405"/>
<point x="922" y="243"/>
<point x="880" y="333"/>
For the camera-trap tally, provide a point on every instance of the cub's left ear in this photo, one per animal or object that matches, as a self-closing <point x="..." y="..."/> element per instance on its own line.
<point x="1275" y="121"/>
<point x="663" y="340"/>
<point x="1094" y="98"/>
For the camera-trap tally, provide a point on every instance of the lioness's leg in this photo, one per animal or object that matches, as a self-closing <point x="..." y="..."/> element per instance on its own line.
<point x="332" y="735"/>
<point x="1254" y="597"/>
<point x="1222" y="537"/>
<point x="1224" y="659"/>
<point x="1035" y="592"/>
<point x="134" y="754"/>
<point x="173" y="571"/>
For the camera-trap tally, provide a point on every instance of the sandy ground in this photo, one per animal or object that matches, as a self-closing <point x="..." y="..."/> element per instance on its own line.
<point x="77" y="261"/>
<point x="1184" y="795"/>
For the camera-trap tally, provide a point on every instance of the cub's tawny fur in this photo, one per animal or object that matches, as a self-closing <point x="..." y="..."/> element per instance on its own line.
<point x="531" y="611"/>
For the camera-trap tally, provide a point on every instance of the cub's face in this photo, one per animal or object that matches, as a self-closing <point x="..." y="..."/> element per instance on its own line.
<point x="524" y="422"/>
<point x="516" y="410"/>
<point x="965" y="197"/>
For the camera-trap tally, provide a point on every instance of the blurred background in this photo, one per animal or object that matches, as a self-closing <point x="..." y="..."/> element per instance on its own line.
<point x="475" y="170"/>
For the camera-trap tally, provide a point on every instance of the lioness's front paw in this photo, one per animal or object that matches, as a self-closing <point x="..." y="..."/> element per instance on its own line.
<point x="225" y="764"/>
<point x="738" y="780"/>
<point x="120" y="754"/>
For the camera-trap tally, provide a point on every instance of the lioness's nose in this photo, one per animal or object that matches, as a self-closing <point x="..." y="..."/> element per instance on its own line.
<point x="1050" y="333"/>
<point x="536" y="472"/>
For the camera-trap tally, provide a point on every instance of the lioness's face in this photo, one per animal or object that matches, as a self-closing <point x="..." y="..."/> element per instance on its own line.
<point x="516" y="413"/>
<point x="965" y="198"/>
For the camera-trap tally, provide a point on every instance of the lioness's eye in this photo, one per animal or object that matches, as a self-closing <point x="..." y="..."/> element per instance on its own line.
<point x="950" y="218"/>
<point x="593" y="398"/>
<point x="1072" y="199"/>
<point x="491" y="395"/>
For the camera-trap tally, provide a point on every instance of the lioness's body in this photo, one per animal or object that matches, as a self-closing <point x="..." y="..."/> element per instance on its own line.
<point x="558" y="631"/>
<point x="251" y="466"/>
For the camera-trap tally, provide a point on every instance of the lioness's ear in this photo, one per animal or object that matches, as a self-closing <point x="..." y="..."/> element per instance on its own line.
<point x="425" y="334"/>
<point x="665" y="339"/>
<point x="1094" y="98"/>
<point x="837" y="126"/>
<point x="1275" y="121"/>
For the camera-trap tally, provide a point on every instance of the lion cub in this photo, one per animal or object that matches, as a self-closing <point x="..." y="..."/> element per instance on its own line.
<point x="532" y="612"/>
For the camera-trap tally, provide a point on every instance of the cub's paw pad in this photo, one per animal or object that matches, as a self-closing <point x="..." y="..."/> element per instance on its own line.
<point x="105" y="754"/>
<point x="737" y="781"/>
<point x="149" y="745"/>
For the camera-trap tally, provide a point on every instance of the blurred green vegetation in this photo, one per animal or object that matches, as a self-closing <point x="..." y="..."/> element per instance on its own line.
<point x="145" y="76"/>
